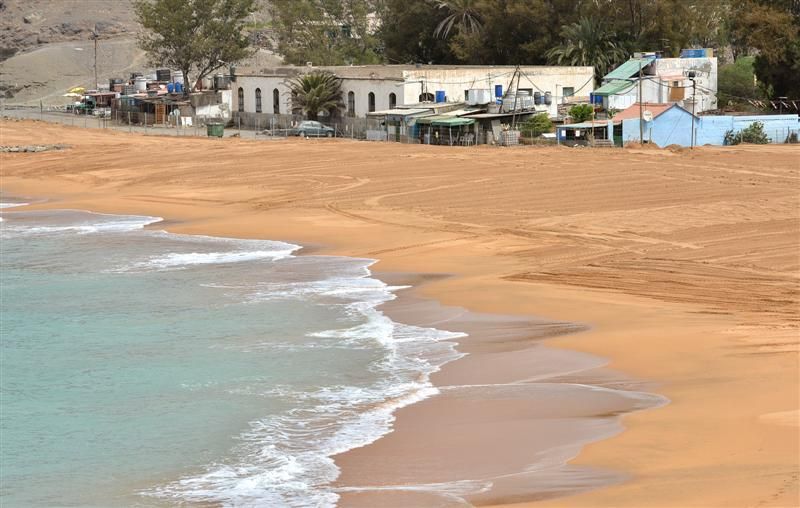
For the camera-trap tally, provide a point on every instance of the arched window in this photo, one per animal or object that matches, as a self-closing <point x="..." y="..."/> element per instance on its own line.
<point x="258" y="100"/>
<point x="240" y="96"/>
<point x="371" y="102"/>
<point x="276" y="101"/>
<point x="426" y="97"/>
<point x="392" y="101"/>
<point x="351" y="104"/>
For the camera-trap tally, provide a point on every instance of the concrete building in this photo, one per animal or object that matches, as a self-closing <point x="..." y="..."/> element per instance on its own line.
<point x="371" y="88"/>
<point x="664" y="80"/>
<point x="670" y="124"/>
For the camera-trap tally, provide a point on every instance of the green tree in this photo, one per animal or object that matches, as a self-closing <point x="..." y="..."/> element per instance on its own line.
<point x="462" y="14"/>
<point x="588" y="42"/>
<point x="328" y="32"/>
<point x="536" y="124"/>
<point x="316" y="92"/>
<point x="194" y="36"/>
<point x="737" y="82"/>
<point x="407" y="33"/>
<point x="581" y="112"/>
<point x="753" y="134"/>
<point x="772" y="29"/>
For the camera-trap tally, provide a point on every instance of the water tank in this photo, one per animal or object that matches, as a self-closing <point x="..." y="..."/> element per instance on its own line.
<point x="441" y="96"/>
<point x="537" y="98"/>
<point x="548" y="98"/>
<point x="479" y="96"/>
<point x="140" y="84"/>
<point x="170" y="87"/>
<point x="177" y="77"/>
<point x="178" y="87"/>
<point x="162" y="74"/>
<point x="221" y="81"/>
<point x="498" y="90"/>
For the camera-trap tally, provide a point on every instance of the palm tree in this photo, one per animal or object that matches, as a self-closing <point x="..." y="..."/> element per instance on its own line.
<point x="316" y="92"/>
<point x="463" y="15"/>
<point x="588" y="42"/>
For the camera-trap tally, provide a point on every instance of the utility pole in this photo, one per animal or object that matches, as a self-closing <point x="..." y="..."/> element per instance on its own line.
<point x="694" y="102"/>
<point x="641" y="106"/>
<point x="94" y="36"/>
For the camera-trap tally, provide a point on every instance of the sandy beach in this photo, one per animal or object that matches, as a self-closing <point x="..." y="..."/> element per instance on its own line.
<point x="666" y="272"/>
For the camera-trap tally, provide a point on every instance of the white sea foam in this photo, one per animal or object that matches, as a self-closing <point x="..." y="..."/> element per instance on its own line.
<point x="182" y="260"/>
<point x="286" y="459"/>
<point x="94" y="223"/>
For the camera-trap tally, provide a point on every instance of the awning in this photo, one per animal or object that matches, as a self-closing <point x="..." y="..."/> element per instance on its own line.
<point x="614" y="87"/>
<point x="399" y="112"/>
<point x="445" y="121"/>
<point x="629" y="68"/>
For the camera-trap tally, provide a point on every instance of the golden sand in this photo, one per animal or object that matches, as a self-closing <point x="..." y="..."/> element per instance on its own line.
<point x="684" y="264"/>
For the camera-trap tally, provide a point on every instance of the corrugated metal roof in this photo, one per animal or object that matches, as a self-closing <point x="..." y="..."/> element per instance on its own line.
<point x="399" y="112"/>
<point x="613" y="87"/>
<point x="584" y="125"/>
<point x="446" y="121"/>
<point x="629" y="68"/>
<point x="632" y="111"/>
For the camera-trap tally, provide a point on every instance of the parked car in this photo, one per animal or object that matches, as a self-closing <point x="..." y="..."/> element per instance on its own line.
<point x="312" y="129"/>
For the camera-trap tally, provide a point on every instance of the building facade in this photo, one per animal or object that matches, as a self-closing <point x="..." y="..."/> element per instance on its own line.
<point x="373" y="88"/>
<point x="663" y="80"/>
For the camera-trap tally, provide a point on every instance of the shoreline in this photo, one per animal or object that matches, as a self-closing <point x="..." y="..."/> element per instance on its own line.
<point x="515" y="364"/>
<point x="710" y="318"/>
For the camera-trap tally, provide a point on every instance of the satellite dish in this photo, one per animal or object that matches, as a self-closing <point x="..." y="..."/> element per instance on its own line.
<point x="647" y="116"/>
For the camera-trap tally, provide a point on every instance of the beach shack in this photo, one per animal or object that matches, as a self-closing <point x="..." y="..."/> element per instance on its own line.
<point x="399" y="124"/>
<point x="447" y="129"/>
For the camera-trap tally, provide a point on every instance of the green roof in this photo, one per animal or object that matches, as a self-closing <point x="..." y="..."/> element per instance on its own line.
<point x="613" y="87"/>
<point x="445" y="121"/>
<point x="629" y="68"/>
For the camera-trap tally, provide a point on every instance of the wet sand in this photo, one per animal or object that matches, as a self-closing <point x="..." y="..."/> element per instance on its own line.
<point x="682" y="265"/>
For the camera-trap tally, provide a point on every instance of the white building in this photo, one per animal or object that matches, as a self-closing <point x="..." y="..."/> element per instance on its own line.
<point x="372" y="88"/>
<point x="664" y="80"/>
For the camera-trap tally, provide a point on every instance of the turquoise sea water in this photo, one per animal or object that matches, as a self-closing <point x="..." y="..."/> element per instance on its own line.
<point x="145" y="368"/>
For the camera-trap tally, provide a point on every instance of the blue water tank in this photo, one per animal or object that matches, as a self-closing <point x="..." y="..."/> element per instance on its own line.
<point x="178" y="88"/>
<point x="441" y="96"/>
<point x="537" y="98"/>
<point x="170" y="87"/>
<point x="498" y="90"/>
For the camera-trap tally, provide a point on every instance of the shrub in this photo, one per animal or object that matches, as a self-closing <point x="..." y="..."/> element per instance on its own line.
<point x="536" y="125"/>
<point x="792" y="138"/>
<point x="581" y="112"/>
<point x="753" y="134"/>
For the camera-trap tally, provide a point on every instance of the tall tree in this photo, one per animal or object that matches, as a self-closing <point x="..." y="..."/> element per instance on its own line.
<point x="195" y="36"/>
<point x="462" y="14"/>
<point x="588" y="42"/>
<point x="328" y="32"/>
<point x="316" y="92"/>
<point x="407" y="32"/>
<point x="772" y="29"/>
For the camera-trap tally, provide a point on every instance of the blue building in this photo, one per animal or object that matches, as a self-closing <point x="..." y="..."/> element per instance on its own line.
<point x="667" y="124"/>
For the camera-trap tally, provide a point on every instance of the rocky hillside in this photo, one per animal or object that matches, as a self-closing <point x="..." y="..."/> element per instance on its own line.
<point x="28" y="24"/>
<point x="46" y="46"/>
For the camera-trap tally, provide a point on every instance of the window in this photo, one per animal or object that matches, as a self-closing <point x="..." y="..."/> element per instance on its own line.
<point x="568" y="91"/>
<point x="466" y="95"/>
<point x="371" y="102"/>
<point x="276" y="101"/>
<point x="392" y="101"/>
<point x="676" y="92"/>
<point x="258" y="100"/>
<point x="426" y="97"/>
<point x="240" y="96"/>
<point x="351" y="104"/>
